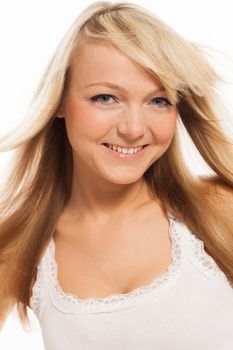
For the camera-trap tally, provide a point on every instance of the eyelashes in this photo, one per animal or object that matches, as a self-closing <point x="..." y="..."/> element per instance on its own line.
<point x="99" y="98"/>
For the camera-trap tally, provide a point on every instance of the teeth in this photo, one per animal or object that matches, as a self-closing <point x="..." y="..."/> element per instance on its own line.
<point x="131" y="151"/>
<point x="124" y="150"/>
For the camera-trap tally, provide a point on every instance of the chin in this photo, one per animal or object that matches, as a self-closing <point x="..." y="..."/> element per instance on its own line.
<point x="124" y="180"/>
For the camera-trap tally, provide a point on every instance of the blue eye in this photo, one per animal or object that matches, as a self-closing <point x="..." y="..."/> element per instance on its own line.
<point x="100" y="98"/>
<point x="104" y="99"/>
<point x="164" y="101"/>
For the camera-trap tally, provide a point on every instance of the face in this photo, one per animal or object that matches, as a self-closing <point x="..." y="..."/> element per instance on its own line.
<point x="112" y="109"/>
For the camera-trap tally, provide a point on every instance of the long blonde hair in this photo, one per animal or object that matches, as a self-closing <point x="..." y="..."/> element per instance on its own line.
<point x="39" y="181"/>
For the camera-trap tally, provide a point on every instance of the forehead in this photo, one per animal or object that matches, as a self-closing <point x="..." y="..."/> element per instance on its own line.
<point x="104" y="62"/>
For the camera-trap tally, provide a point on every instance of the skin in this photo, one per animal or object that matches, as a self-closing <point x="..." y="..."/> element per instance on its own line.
<point x="105" y="186"/>
<point x="112" y="235"/>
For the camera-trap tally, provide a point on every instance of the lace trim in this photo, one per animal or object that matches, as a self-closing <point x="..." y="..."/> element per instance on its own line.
<point x="160" y="280"/>
<point x="36" y="298"/>
<point x="204" y="260"/>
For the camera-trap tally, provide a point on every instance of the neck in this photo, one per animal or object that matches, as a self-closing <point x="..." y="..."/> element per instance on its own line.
<point x="99" y="198"/>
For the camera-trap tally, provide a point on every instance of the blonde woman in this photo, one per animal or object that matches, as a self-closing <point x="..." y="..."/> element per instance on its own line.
<point x="104" y="233"/>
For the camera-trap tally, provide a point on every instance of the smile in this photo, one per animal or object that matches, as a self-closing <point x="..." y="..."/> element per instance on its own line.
<point x="123" y="151"/>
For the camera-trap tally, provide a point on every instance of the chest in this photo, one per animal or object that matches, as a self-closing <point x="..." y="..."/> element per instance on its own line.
<point x="95" y="262"/>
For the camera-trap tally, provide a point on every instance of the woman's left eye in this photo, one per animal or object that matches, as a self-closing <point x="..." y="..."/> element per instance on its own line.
<point x="162" y="101"/>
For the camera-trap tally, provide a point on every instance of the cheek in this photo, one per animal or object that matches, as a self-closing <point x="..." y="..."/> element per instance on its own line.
<point x="164" y="130"/>
<point x="84" y="121"/>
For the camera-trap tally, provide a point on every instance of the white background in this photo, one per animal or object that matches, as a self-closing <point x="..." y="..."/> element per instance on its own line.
<point x="29" y="33"/>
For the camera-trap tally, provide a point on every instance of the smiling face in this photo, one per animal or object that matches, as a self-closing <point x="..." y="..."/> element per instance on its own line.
<point x="134" y="115"/>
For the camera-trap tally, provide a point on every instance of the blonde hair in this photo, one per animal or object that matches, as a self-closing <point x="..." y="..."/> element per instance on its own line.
<point x="39" y="181"/>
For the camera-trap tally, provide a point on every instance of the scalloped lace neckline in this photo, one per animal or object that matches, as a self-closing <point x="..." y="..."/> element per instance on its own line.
<point x="163" y="280"/>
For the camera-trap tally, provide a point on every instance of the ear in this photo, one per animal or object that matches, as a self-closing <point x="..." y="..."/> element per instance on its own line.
<point x="60" y="113"/>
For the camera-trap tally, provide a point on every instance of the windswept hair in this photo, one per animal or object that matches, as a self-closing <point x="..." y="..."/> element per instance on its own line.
<point x="38" y="185"/>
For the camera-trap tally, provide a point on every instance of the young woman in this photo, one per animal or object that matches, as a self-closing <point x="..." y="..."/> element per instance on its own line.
<point x="104" y="233"/>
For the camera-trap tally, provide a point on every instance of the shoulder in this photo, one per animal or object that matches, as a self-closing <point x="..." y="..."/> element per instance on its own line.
<point x="219" y="192"/>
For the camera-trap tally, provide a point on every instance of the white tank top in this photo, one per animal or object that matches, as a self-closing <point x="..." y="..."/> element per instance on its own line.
<point x="188" y="307"/>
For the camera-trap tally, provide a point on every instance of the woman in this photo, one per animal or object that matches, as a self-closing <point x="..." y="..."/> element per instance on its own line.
<point x="105" y="234"/>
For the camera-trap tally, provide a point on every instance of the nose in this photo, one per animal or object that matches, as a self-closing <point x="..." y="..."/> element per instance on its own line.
<point x="131" y="123"/>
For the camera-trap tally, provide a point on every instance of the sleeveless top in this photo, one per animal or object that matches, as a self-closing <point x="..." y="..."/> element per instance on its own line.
<point x="190" y="306"/>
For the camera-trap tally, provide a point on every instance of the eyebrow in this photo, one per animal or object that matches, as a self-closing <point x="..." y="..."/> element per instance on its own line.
<point x="120" y="88"/>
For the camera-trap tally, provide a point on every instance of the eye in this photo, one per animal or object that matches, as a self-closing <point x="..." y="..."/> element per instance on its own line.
<point x="162" y="101"/>
<point x="104" y="99"/>
<point x="101" y="98"/>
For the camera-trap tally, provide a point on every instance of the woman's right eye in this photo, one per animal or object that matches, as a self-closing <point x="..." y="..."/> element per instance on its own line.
<point x="99" y="98"/>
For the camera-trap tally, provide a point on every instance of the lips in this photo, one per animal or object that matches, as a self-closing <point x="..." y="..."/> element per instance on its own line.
<point x="123" y="151"/>
<point x="128" y="147"/>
